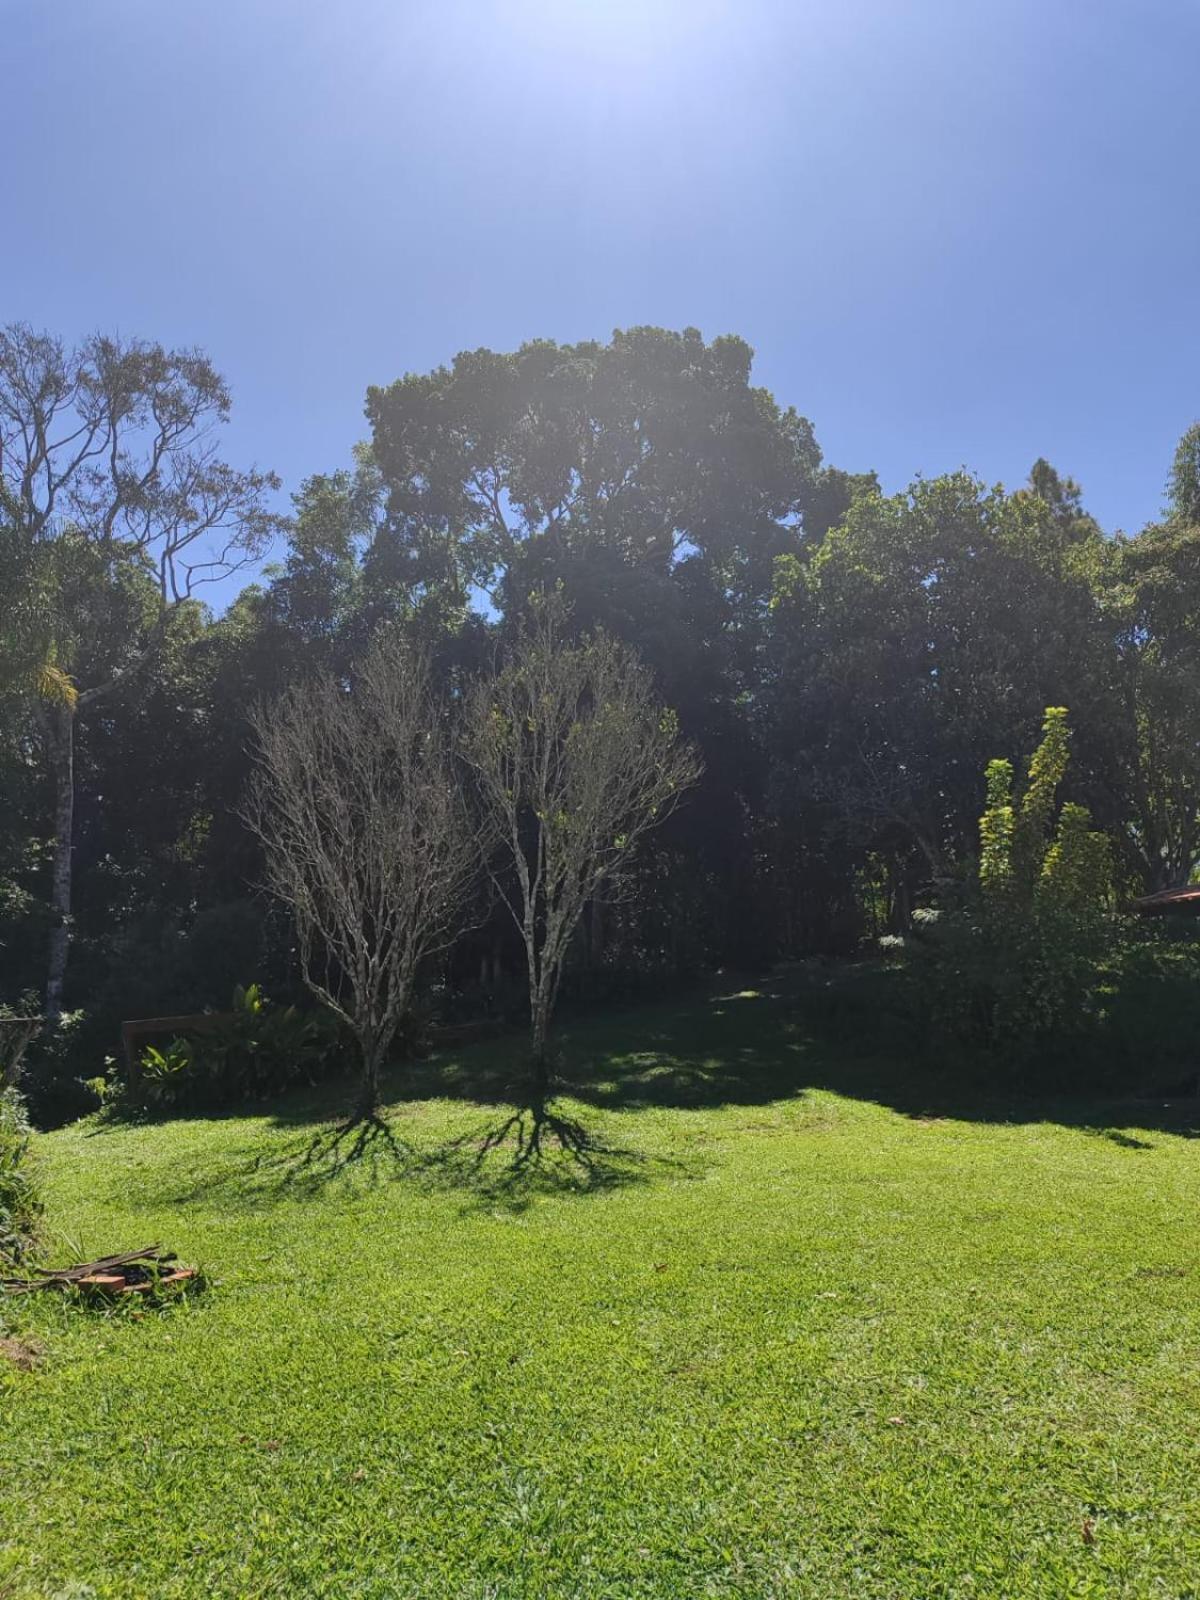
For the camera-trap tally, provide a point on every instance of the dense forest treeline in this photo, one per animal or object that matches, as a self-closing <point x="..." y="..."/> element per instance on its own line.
<point x="846" y="662"/>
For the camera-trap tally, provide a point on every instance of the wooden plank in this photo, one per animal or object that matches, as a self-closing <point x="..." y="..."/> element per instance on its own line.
<point x="143" y="1028"/>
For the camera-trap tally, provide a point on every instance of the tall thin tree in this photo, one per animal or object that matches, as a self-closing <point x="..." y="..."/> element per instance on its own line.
<point x="576" y="759"/>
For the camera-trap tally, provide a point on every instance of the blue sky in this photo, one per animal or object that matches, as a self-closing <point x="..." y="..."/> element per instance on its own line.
<point x="956" y="232"/>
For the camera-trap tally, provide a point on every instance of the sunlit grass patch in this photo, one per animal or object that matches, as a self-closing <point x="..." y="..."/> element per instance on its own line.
<point x="724" y="1319"/>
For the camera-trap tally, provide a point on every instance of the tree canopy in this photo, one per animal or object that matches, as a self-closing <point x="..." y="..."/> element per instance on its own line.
<point x="844" y="662"/>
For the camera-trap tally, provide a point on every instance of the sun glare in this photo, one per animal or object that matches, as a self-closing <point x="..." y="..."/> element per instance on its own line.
<point x="624" y="34"/>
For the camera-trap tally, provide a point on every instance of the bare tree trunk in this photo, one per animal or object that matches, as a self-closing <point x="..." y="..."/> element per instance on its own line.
<point x="540" y="1044"/>
<point x="60" y="725"/>
<point x="567" y="731"/>
<point x="368" y="1096"/>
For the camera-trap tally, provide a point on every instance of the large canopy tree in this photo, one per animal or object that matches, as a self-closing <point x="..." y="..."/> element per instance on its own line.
<point x="1150" y="774"/>
<point x="652" y="479"/>
<point x="654" y="445"/>
<point x="925" y="631"/>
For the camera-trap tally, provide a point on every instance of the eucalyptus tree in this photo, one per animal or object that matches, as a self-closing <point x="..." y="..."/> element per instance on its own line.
<point x="120" y="509"/>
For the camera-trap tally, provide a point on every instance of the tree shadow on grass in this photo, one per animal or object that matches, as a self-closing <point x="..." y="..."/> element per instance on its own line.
<point x="503" y="1163"/>
<point x="840" y="1030"/>
<point x="298" y="1164"/>
<point x="365" y="1147"/>
<point x="1127" y="1141"/>
<point x="774" y="1040"/>
<point x="538" y="1149"/>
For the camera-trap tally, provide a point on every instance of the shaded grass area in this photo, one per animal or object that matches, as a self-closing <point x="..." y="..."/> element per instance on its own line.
<point x="746" y="1312"/>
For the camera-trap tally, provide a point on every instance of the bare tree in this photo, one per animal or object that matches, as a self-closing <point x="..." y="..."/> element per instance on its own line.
<point x="109" y="471"/>
<point x="367" y="836"/>
<point x="576" y="759"/>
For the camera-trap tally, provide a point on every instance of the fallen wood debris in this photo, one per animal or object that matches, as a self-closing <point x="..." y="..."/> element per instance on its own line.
<point x="134" y="1272"/>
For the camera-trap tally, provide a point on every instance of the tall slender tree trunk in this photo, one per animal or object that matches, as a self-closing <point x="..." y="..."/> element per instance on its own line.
<point x="61" y="749"/>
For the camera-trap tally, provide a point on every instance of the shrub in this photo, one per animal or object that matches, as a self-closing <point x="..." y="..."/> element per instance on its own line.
<point x="20" y="1206"/>
<point x="54" y="1067"/>
<point x="1018" y="958"/>
<point x="1150" y="1010"/>
<point x="259" y="1051"/>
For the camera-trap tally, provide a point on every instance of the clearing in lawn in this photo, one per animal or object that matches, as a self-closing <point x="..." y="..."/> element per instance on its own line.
<point x="758" y="1328"/>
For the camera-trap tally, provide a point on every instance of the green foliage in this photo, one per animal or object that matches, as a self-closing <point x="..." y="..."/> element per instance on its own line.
<point x="1021" y="868"/>
<point x="162" y="1074"/>
<point x="636" y="445"/>
<point x="1047" y="769"/>
<point x="997" y="830"/>
<point x="846" y="662"/>
<point x="1184" y="486"/>
<point x="53" y="1070"/>
<point x="1016" y="962"/>
<point x="1149" y="1000"/>
<point x="1076" y="872"/>
<point x="257" y="1051"/>
<point x="1149" y="770"/>
<point x="20" y="1201"/>
<point x="922" y="633"/>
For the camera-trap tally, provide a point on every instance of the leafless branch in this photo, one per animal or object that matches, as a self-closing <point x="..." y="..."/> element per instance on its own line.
<point x="575" y="759"/>
<point x="367" y="838"/>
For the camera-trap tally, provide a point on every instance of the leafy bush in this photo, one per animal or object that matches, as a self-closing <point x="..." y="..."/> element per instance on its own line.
<point x="260" y="1050"/>
<point x="53" y="1070"/>
<point x="1018" y="959"/>
<point x="20" y="1206"/>
<point x="163" y="1075"/>
<point x="151" y="965"/>
<point x="1150" y="1011"/>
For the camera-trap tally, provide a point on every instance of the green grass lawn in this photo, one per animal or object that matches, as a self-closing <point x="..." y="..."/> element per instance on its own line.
<point x="775" y="1329"/>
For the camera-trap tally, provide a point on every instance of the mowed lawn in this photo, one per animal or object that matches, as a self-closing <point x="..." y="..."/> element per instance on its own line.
<point x="772" y="1331"/>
